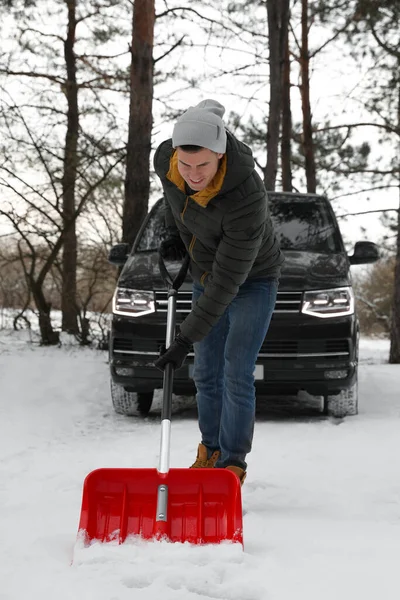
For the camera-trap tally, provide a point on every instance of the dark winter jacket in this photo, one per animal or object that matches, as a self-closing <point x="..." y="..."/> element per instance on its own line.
<point x="226" y="229"/>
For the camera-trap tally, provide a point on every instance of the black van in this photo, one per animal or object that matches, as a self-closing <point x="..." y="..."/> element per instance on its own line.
<point x="312" y="342"/>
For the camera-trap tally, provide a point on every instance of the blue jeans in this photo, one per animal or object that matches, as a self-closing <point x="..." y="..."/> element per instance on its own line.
<point x="223" y="371"/>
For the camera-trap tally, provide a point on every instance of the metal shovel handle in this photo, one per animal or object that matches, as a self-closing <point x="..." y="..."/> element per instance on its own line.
<point x="173" y="284"/>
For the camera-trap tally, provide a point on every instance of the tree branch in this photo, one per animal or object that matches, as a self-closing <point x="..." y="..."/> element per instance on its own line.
<point x="178" y="43"/>
<point x="33" y="75"/>
<point x="387" y="128"/>
<point x="367" y="212"/>
<point x="372" y="189"/>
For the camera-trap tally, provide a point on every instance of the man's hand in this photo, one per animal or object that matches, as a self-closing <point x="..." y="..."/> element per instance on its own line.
<point x="172" y="247"/>
<point x="175" y="354"/>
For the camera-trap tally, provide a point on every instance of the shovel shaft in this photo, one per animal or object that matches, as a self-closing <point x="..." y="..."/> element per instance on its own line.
<point x="171" y="317"/>
<point x="169" y="369"/>
<point x="168" y="382"/>
<point x="165" y="444"/>
<point x="166" y="410"/>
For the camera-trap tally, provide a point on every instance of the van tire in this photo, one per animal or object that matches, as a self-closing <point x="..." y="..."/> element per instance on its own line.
<point x="344" y="404"/>
<point x="130" y="404"/>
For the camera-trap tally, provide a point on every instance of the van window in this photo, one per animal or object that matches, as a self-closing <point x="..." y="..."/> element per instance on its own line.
<point x="305" y="225"/>
<point x="155" y="227"/>
<point x="301" y="224"/>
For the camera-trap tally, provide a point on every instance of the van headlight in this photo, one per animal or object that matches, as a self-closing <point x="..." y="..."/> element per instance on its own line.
<point x="132" y="303"/>
<point x="328" y="303"/>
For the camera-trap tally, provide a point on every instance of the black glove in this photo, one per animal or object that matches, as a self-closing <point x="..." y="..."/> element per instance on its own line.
<point x="175" y="354"/>
<point x="172" y="246"/>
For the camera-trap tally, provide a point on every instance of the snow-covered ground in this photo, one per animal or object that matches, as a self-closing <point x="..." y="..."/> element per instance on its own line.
<point x="321" y="500"/>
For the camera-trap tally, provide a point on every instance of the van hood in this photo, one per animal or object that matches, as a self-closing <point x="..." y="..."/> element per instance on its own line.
<point x="141" y="272"/>
<point x="312" y="271"/>
<point x="300" y="271"/>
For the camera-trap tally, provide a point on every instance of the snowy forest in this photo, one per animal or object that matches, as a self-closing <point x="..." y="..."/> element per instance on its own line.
<point x="88" y="90"/>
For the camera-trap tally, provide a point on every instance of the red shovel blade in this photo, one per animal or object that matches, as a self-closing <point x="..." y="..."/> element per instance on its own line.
<point x="204" y="505"/>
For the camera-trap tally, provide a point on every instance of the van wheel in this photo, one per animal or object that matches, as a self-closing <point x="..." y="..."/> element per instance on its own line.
<point x="344" y="404"/>
<point x="130" y="404"/>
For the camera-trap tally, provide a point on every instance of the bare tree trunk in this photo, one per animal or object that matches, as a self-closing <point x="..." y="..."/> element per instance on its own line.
<point x="278" y="18"/>
<point x="49" y="337"/>
<point x="137" y="178"/>
<point x="308" y="144"/>
<point x="69" y="260"/>
<point x="286" y="154"/>
<point x="394" y="355"/>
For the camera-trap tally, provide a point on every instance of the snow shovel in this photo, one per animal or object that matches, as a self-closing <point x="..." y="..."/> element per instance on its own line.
<point x="200" y="506"/>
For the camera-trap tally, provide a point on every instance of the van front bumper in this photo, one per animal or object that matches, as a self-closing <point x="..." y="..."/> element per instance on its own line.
<point x="297" y="354"/>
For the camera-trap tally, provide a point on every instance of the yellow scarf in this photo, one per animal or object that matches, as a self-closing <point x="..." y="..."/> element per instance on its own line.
<point x="202" y="197"/>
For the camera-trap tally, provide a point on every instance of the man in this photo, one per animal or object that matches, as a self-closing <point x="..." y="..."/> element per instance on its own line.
<point x="217" y="211"/>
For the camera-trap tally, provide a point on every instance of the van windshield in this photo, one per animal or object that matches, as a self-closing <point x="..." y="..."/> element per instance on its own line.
<point x="306" y="225"/>
<point x="301" y="224"/>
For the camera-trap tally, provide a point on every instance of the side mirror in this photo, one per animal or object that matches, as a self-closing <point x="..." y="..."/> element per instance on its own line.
<point x="118" y="254"/>
<point x="364" y="253"/>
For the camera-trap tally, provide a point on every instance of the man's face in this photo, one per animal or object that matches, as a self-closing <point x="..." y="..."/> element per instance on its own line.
<point x="198" y="168"/>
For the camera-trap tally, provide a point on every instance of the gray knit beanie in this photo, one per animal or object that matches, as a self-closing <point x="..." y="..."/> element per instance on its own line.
<point x="201" y="125"/>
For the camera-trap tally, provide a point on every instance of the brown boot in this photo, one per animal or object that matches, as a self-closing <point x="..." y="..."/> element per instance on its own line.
<point x="241" y="473"/>
<point x="202" y="461"/>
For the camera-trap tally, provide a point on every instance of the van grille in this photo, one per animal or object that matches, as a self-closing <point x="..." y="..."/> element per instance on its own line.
<point x="137" y="346"/>
<point x="183" y="301"/>
<point x="270" y="349"/>
<point x="286" y="302"/>
<point x="304" y="348"/>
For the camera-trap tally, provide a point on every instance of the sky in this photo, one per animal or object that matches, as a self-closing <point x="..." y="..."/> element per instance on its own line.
<point x="337" y="81"/>
<point x="321" y="502"/>
<point x="334" y="82"/>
